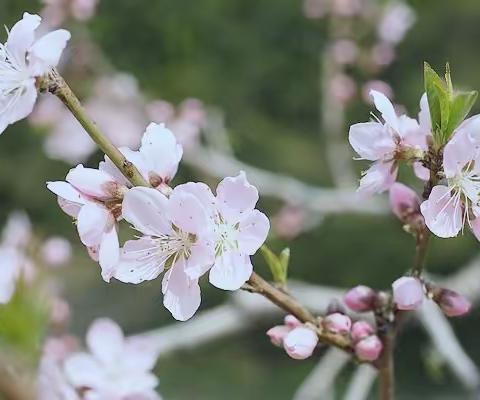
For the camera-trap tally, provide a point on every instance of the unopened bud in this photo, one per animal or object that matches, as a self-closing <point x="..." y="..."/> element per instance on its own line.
<point x="291" y="321"/>
<point x="338" y="323"/>
<point x="404" y="202"/>
<point x="360" y="298"/>
<point x="452" y="303"/>
<point x="361" y="330"/>
<point x="300" y="343"/>
<point x="369" y="349"/>
<point x="407" y="293"/>
<point x="277" y="334"/>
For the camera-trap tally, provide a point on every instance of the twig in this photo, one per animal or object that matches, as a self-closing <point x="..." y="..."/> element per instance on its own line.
<point x="320" y="383"/>
<point x="56" y="85"/>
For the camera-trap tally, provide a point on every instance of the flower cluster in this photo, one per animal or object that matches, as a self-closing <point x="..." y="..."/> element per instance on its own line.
<point x="184" y="232"/>
<point x="114" y="367"/>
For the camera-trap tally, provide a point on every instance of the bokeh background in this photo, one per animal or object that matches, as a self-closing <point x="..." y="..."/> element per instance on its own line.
<point x="262" y="64"/>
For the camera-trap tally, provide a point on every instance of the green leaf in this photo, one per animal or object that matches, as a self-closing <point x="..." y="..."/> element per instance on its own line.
<point x="436" y="94"/>
<point x="278" y="264"/>
<point x="460" y="106"/>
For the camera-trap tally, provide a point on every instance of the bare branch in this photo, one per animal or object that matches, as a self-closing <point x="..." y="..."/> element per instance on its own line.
<point x="361" y="383"/>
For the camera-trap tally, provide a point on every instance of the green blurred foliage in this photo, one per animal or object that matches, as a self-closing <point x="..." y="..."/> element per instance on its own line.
<point x="258" y="61"/>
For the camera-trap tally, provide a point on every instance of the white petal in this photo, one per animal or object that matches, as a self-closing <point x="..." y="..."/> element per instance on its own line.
<point x="252" y="232"/>
<point x="93" y="221"/>
<point x="181" y="295"/>
<point x="378" y="178"/>
<point x="46" y="51"/>
<point x="109" y="253"/>
<point x="147" y="210"/>
<point x="22" y="35"/>
<point x="139" y="261"/>
<point x="231" y="271"/>
<point x="83" y="370"/>
<point x="161" y="151"/>
<point x="202" y="192"/>
<point x="106" y="341"/>
<point x="66" y="191"/>
<point x="91" y="182"/>
<point x="186" y="212"/>
<point x="235" y="196"/>
<point x="201" y="258"/>
<point x="371" y="140"/>
<point x="384" y="105"/>
<point x="21" y="103"/>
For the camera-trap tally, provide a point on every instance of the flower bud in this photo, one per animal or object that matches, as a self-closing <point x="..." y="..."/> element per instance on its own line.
<point x="368" y="349"/>
<point x="291" y="321"/>
<point x="338" y="323"/>
<point x="300" y="343"/>
<point x="360" y="298"/>
<point x="361" y="330"/>
<point x="403" y="201"/>
<point x="277" y="334"/>
<point x="407" y="293"/>
<point x="452" y="303"/>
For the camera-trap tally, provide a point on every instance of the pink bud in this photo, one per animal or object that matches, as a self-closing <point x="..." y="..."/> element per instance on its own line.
<point x="452" y="303"/>
<point x="369" y="349"/>
<point x="360" y="298"/>
<point x="291" y="321"/>
<point x="300" y="343"/>
<point x="338" y="323"/>
<point x="403" y="201"/>
<point x="277" y="334"/>
<point x="361" y="330"/>
<point x="56" y="251"/>
<point x="407" y="293"/>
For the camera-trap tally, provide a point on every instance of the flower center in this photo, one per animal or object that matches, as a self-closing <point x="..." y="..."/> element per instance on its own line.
<point x="226" y="237"/>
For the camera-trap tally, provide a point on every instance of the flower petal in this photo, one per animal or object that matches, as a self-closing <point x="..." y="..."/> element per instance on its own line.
<point x="46" y="51"/>
<point x="235" y="196"/>
<point x="91" y="182"/>
<point x="186" y="212"/>
<point x="10" y="271"/>
<point x="252" y="232"/>
<point x="371" y="140"/>
<point x="231" y="271"/>
<point x="202" y="257"/>
<point x="22" y="106"/>
<point x="378" y="178"/>
<point x="139" y="261"/>
<point x="109" y="253"/>
<point x="66" y="191"/>
<point x="83" y="370"/>
<point x="93" y="221"/>
<point x="442" y="213"/>
<point x="181" y="294"/>
<point x="22" y="36"/>
<point x="384" y="105"/>
<point x="106" y="341"/>
<point x="147" y="210"/>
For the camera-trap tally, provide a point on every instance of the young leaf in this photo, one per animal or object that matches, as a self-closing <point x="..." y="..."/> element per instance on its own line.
<point x="278" y="264"/>
<point x="460" y="106"/>
<point x="436" y="95"/>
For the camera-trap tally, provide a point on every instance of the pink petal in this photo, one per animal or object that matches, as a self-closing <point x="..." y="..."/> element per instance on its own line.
<point x="252" y="232"/>
<point x="109" y="253"/>
<point x="300" y="343"/>
<point x="378" y="178"/>
<point x="93" y="221"/>
<point x="23" y="106"/>
<point x="83" y="370"/>
<point x="91" y="182"/>
<point x="66" y="192"/>
<point x="420" y="171"/>
<point x="235" y="196"/>
<point x="201" y="258"/>
<point x="403" y="200"/>
<point x="106" y="341"/>
<point x="230" y="271"/>
<point x="186" y="211"/>
<point x="384" y="105"/>
<point x="203" y="194"/>
<point x="139" y="261"/>
<point x="407" y="293"/>
<point x="147" y="210"/>
<point x="371" y="140"/>
<point x="181" y="295"/>
<point x="46" y="51"/>
<point x="442" y="214"/>
<point x="459" y="151"/>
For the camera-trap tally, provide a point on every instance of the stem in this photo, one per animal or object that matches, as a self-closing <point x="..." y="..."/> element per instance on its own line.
<point x="386" y="373"/>
<point x="421" y="248"/>
<point x="292" y="306"/>
<point x="57" y="86"/>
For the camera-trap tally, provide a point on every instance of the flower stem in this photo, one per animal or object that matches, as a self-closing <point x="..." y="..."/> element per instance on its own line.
<point x="386" y="376"/>
<point x="286" y="302"/>
<point x="57" y="86"/>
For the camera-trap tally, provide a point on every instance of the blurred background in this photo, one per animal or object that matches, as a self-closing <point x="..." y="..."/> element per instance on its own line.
<point x="272" y="84"/>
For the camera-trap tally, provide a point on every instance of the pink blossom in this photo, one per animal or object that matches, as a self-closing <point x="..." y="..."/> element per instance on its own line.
<point x="455" y="203"/>
<point x="342" y="88"/>
<point x="361" y="330"/>
<point x="240" y="231"/>
<point x="338" y="323"/>
<point x="177" y="237"/>
<point x="300" y="343"/>
<point x="452" y="303"/>
<point x="396" y="22"/>
<point x="379" y="86"/>
<point x="17" y="232"/>
<point x="290" y="221"/>
<point x="278" y="333"/>
<point x="407" y="293"/>
<point x="114" y="367"/>
<point x="23" y="58"/>
<point x="344" y="51"/>
<point x="384" y="143"/>
<point x="83" y="10"/>
<point x="360" y="298"/>
<point x="383" y="54"/>
<point x="93" y="198"/>
<point x="403" y="201"/>
<point x="52" y="383"/>
<point x="368" y="349"/>
<point x="56" y="251"/>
